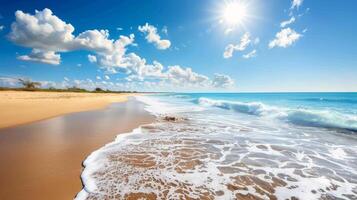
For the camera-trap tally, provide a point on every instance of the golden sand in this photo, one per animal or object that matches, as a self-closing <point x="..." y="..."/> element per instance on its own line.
<point x="20" y="107"/>
<point x="42" y="160"/>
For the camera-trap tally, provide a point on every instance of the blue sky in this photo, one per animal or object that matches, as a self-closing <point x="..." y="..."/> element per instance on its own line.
<point x="315" y="52"/>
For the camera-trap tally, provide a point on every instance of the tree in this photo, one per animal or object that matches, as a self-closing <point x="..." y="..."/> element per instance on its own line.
<point x="28" y="84"/>
<point x="99" y="89"/>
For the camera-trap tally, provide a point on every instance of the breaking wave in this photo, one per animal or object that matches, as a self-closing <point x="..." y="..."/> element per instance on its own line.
<point x="298" y="116"/>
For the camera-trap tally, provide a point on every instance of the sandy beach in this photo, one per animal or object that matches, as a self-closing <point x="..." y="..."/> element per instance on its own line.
<point x="43" y="159"/>
<point x="20" y="107"/>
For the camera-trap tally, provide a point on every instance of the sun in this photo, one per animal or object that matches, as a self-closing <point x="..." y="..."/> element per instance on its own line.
<point x="234" y="13"/>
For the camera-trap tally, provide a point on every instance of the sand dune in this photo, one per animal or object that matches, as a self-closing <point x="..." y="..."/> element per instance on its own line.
<point x="20" y="107"/>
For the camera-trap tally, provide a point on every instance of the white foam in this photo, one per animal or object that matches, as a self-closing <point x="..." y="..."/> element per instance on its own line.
<point x="338" y="153"/>
<point x="94" y="162"/>
<point x="224" y="147"/>
<point x="315" y="118"/>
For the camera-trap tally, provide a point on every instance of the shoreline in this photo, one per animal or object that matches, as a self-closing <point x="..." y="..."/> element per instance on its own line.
<point x="24" y="107"/>
<point x="43" y="160"/>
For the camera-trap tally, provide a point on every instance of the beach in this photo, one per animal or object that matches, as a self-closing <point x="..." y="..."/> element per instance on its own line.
<point x="20" y="107"/>
<point x="231" y="146"/>
<point x="42" y="159"/>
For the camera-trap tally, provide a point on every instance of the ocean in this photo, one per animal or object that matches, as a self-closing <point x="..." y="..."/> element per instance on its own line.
<point x="232" y="146"/>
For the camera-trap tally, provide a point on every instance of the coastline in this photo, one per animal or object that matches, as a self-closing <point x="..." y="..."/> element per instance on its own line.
<point x="214" y="150"/>
<point x="23" y="107"/>
<point x="43" y="159"/>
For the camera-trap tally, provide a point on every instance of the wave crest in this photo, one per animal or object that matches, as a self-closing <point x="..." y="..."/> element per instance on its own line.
<point x="303" y="117"/>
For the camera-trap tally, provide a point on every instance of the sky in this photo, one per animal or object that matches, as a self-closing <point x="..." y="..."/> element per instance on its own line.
<point x="182" y="46"/>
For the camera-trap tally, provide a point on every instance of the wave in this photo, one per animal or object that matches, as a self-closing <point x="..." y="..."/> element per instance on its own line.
<point x="303" y="117"/>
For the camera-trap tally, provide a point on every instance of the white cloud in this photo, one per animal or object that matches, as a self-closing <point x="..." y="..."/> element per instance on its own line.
<point x="2" y="27"/>
<point x="222" y="81"/>
<point x="107" y="77"/>
<point x="116" y="58"/>
<point x="48" y="57"/>
<point x="153" y="37"/>
<point x="296" y="3"/>
<point x="47" y="33"/>
<point x="185" y="77"/>
<point x="230" y="48"/>
<point x="175" y="76"/>
<point x="287" y="22"/>
<point x="66" y="79"/>
<point x="140" y="69"/>
<point x="93" y="40"/>
<point x="284" y="38"/>
<point x="119" y="29"/>
<point x="43" y="31"/>
<point x="250" y="54"/>
<point x="92" y="58"/>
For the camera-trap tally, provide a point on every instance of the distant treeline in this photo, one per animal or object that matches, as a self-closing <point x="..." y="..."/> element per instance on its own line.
<point x="29" y="85"/>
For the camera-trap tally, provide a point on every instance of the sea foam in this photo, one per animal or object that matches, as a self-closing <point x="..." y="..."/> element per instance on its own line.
<point x="220" y="155"/>
<point x="304" y="117"/>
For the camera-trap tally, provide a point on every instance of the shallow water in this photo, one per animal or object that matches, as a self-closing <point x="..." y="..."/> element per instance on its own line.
<point x="229" y="147"/>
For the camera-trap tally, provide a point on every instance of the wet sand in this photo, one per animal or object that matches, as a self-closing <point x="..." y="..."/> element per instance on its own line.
<point x="42" y="160"/>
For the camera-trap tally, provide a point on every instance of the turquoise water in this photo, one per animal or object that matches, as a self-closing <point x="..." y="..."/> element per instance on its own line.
<point x="330" y="110"/>
<point x="233" y="146"/>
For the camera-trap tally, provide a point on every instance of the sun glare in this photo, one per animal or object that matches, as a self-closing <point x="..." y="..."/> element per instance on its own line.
<point x="234" y="13"/>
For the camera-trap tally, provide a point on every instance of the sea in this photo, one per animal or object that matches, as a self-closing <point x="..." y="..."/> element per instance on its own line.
<point x="232" y="146"/>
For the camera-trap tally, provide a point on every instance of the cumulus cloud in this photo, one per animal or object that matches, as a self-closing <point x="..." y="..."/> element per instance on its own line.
<point x="45" y="32"/>
<point x="107" y="77"/>
<point x="186" y="77"/>
<point x="37" y="55"/>
<point x="241" y="46"/>
<point x="285" y="38"/>
<point x="175" y="76"/>
<point x="251" y="54"/>
<point x="140" y="69"/>
<point x="153" y="37"/>
<point x="117" y="57"/>
<point x="41" y="31"/>
<point x="48" y="36"/>
<point x="287" y="22"/>
<point x="296" y="3"/>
